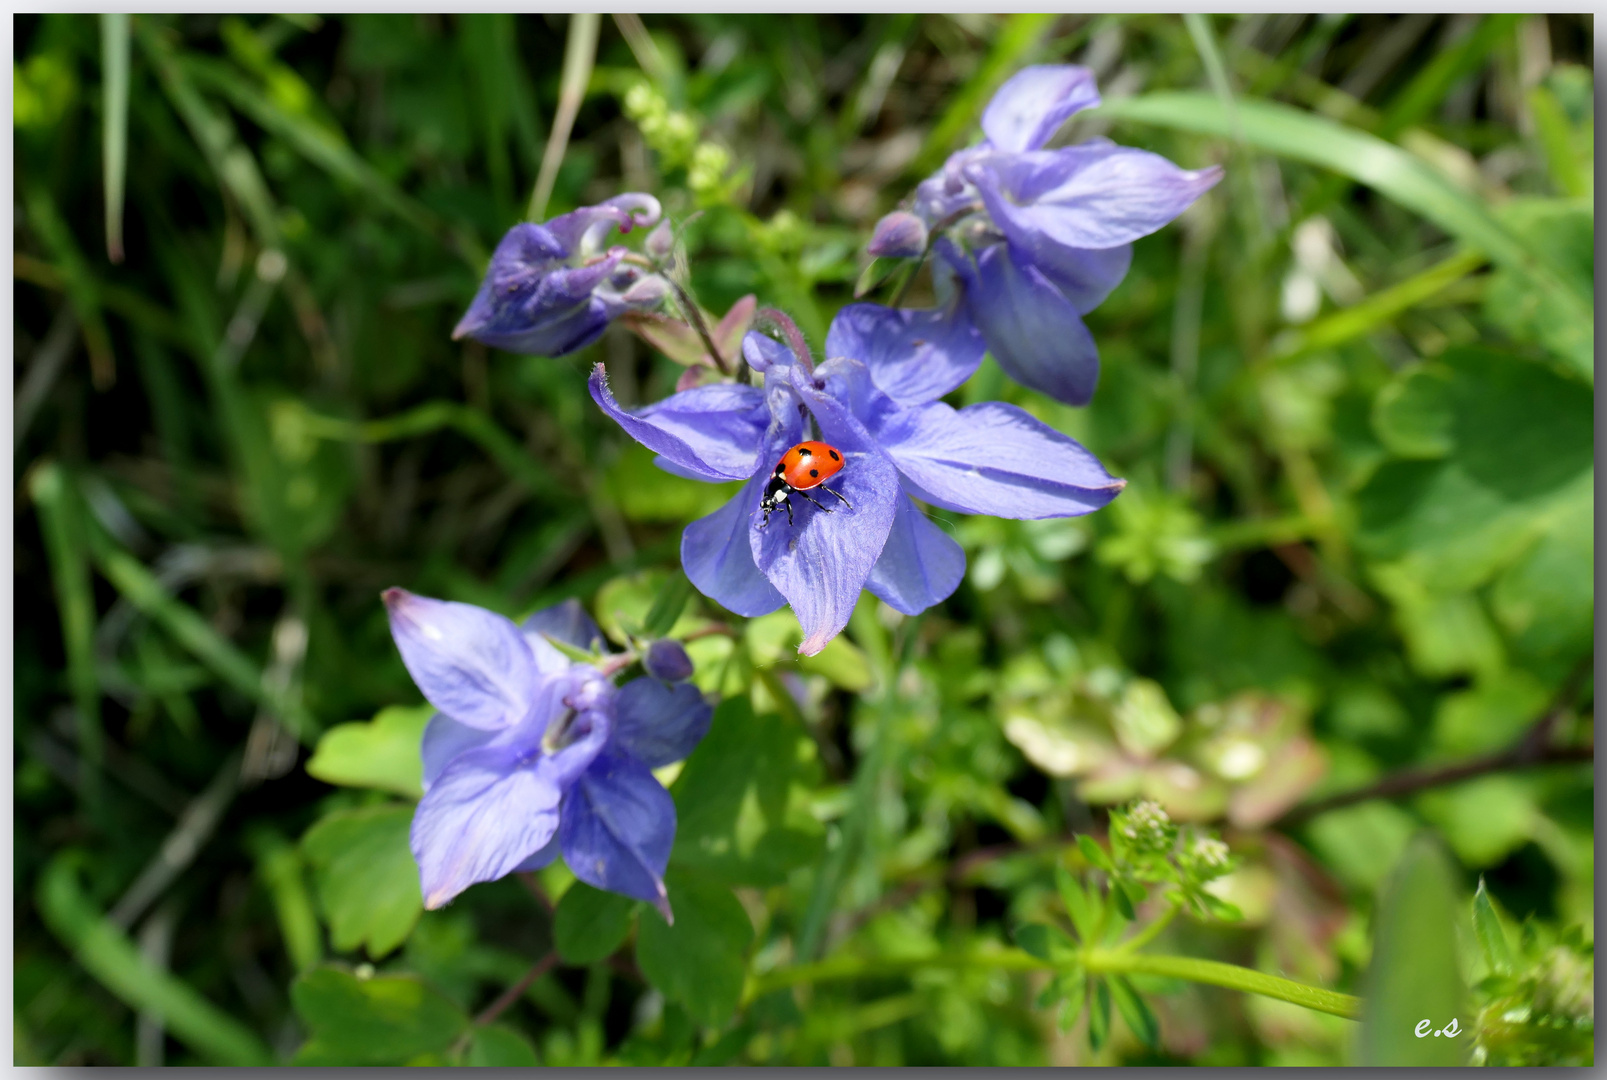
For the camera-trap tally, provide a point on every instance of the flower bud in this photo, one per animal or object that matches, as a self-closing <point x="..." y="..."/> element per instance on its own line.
<point x="1148" y="827"/>
<point x="661" y="242"/>
<point x="649" y="292"/>
<point x="899" y="235"/>
<point x="667" y="660"/>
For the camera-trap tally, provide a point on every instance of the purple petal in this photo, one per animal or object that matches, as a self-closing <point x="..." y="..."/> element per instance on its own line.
<point x="763" y="352"/>
<point x="914" y="355"/>
<point x="542" y="311"/>
<point x="898" y="235"/>
<point x="481" y="818"/>
<point x="712" y="431"/>
<point x="1031" y="329"/>
<point x="995" y="459"/>
<point x="1085" y="276"/>
<point x="576" y="738"/>
<point x="1097" y="195"/>
<point x="471" y="664"/>
<point x="1034" y="102"/>
<point x="921" y="564"/>
<point x="718" y="559"/>
<point x="567" y="622"/>
<point x="618" y="827"/>
<point x="657" y="723"/>
<point x="444" y="740"/>
<point x="542" y="858"/>
<point x="584" y="228"/>
<point x="821" y="560"/>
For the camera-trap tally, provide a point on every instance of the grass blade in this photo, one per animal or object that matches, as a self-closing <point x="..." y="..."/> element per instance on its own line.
<point x="61" y="517"/>
<point x="111" y="958"/>
<point x="114" y="44"/>
<point x="580" y="54"/>
<point x="1289" y="132"/>
<point x="1018" y="34"/>
<point x="81" y="287"/>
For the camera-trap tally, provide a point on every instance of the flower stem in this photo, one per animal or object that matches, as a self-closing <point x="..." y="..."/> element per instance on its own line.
<point x="694" y="318"/>
<point x="1153" y="930"/>
<point x="1096" y="961"/>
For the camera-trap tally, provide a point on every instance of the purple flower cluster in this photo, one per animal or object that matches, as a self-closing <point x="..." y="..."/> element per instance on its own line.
<point x="1029" y="240"/>
<point x="552" y="288"/>
<point x="532" y="754"/>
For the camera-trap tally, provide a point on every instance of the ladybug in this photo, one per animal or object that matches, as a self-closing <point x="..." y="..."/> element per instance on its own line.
<point x="805" y="467"/>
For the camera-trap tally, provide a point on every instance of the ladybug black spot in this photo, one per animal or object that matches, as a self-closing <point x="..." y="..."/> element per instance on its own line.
<point x="814" y="472"/>
<point x="834" y="456"/>
<point x="804" y="451"/>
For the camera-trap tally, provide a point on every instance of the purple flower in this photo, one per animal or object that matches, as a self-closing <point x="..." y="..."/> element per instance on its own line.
<point x="532" y="754"/>
<point x="985" y="459"/>
<point x="1036" y="238"/>
<point x="552" y="288"/>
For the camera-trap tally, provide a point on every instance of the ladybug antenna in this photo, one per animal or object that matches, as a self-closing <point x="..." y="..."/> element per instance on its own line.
<point x="773" y="319"/>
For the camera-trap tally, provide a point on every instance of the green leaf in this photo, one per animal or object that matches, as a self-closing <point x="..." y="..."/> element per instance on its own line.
<point x="1492" y="936"/>
<point x="590" y="924"/>
<point x="1076" y="990"/>
<point x="736" y="821"/>
<point x="1122" y="902"/>
<point x="700" y="961"/>
<point x="107" y="954"/>
<point x="1413" y="415"/>
<point x="1414" y="974"/>
<point x="624" y="604"/>
<point x="1094" y="853"/>
<point x="1485" y="819"/>
<point x="1044" y="941"/>
<point x="1098" y="1014"/>
<point x="367" y="881"/>
<point x="499" y="1046"/>
<point x="1078" y="904"/>
<point x="667" y="606"/>
<point x="1140" y="1021"/>
<point x="382" y="753"/>
<point x="381" y="1020"/>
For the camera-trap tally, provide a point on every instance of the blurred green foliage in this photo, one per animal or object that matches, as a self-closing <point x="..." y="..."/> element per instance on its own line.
<point x="1350" y="389"/>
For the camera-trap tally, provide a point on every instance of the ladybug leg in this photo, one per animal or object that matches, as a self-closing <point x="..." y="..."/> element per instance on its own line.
<point x="845" y="502"/>
<point x="811" y="498"/>
<point x="788" y="505"/>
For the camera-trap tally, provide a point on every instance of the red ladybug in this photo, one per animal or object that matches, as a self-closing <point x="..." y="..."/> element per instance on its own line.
<point x="806" y="466"/>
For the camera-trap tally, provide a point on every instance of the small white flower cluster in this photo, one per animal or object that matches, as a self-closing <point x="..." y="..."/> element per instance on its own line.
<point x="1211" y="853"/>
<point x="1148" y="826"/>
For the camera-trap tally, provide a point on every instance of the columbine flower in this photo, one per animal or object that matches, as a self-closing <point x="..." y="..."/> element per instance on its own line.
<point x="1037" y="238"/>
<point x="552" y="288"/>
<point x="533" y="754"/>
<point x="989" y="458"/>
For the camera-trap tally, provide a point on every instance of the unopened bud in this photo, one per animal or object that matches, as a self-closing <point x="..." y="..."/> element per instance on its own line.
<point x="649" y="292"/>
<point x="660" y="242"/>
<point x="899" y="235"/>
<point x="667" y="660"/>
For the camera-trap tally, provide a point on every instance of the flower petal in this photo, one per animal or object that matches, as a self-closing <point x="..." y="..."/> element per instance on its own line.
<point x="659" y="723"/>
<point x="995" y="459"/>
<point x="444" y="739"/>
<point x="898" y="235"/>
<point x="471" y="664"/>
<point x="763" y="352"/>
<point x="567" y="622"/>
<point x="914" y="355"/>
<point x="542" y="858"/>
<point x="921" y="564"/>
<point x="1034" y="102"/>
<point x="1095" y="195"/>
<point x="481" y="818"/>
<point x="717" y="557"/>
<point x="666" y="659"/>
<point x="820" y="561"/>
<point x="1031" y="329"/>
<point x="1085" y="276"/>
<point x="711" y="431"/>
<point x="618" y="827"/>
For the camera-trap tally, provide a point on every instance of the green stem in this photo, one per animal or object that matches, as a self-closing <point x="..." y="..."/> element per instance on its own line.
<point x="1153" y="930"/>
<point x="1098" y="961"/>
<point x="1229" y="976"/>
